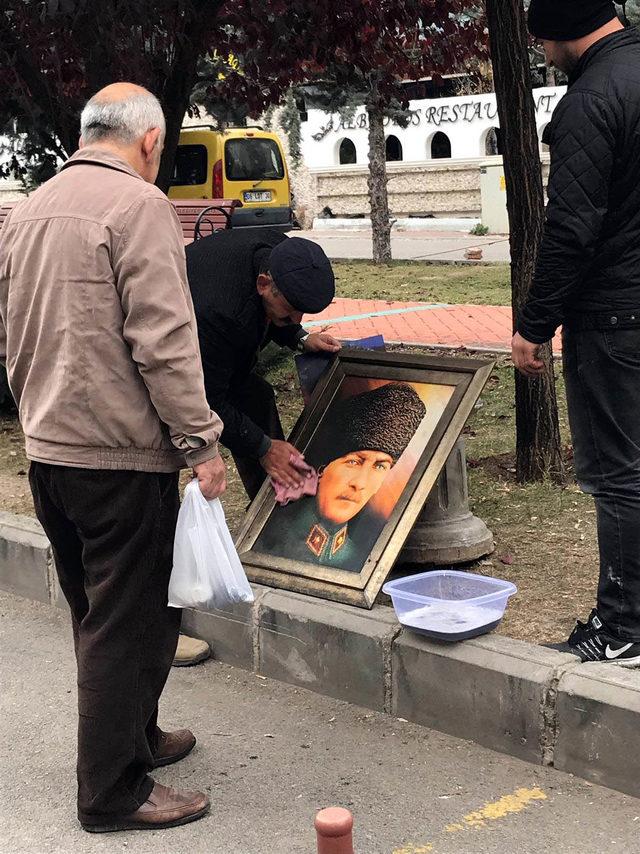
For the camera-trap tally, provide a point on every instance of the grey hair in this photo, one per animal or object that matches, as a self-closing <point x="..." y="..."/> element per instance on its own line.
<point x="125" y="120"/>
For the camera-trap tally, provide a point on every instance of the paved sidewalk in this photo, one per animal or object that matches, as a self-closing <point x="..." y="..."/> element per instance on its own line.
<point x="271" y="755"/>
<point x="477" y="327"/>
<point x="411" y="245"/>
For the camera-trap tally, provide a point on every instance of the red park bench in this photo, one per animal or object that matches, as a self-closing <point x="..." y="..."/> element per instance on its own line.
<point x="200" y="217"/>
<point x="205" y="215"/>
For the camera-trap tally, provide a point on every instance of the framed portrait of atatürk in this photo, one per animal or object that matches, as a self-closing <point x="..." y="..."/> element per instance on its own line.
<point x="378" y="430"/>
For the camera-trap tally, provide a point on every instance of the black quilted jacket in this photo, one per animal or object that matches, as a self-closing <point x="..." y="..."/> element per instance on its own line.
<point x="589" y="259"/>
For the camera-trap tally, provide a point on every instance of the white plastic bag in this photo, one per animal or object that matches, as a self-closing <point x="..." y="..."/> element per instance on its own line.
<point x="207" y="573"/>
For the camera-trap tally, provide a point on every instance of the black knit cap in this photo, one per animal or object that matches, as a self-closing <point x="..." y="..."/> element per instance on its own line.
<point x="384" y="419"/>
<point x="303" y="275"/>
<point x="566" y="20"/>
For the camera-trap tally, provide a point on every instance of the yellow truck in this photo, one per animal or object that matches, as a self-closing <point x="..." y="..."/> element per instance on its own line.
<point x="245" y="163"/>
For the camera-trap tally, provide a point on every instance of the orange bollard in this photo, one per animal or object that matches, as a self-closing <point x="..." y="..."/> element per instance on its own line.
<point x="334" y="826"/>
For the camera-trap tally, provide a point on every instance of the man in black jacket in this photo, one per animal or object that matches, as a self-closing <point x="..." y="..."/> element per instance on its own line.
<point x="588" y="279"/>
<point x="249" y="287"/>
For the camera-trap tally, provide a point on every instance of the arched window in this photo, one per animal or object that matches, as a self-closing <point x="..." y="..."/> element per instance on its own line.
<point x="440" y="146"/>
<point x="394" y="149"/>
<point x="347" y="152"/>
<point x="492" y="142"/>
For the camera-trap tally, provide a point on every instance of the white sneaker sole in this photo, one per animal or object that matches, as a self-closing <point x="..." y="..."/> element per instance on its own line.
<point x="629" y="663"/>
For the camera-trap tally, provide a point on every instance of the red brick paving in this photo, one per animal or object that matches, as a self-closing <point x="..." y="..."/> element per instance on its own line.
<point x="473" y="326"/>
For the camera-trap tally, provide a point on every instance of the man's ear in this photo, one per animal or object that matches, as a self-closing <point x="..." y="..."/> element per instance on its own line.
<point x="150" y="141"/>
<point x="81" y="143"/>
<point x="264" y="283"/>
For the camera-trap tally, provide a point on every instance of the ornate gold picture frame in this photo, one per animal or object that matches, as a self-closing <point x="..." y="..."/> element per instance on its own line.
<point x="378" y="429"/>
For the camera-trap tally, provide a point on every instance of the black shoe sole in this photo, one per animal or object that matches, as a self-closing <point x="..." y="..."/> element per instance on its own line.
<point x="629" y="663"/>
<point x="561" y="646"/>
<point x="171" y="760"/>
<point x="138" y="825"/>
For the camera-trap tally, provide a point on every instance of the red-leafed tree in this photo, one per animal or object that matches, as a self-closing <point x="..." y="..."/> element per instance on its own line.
<point x="55" y="53"/>
<point x="359" y="51"/>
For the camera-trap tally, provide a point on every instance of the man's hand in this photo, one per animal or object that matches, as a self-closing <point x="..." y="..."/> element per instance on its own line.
<point x="525" y="356"/>
<point x="212" y="477"/>
<point x="277" y="464"/>
<point x="321" y="342"/>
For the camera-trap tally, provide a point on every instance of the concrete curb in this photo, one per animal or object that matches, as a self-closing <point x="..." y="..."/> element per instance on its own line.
<point x="598" y="712"/>
<point x="496" y="688"/>
<point x="508" y="695"/>
<point x="333" y="649"/>
<point x="26" y="565"/>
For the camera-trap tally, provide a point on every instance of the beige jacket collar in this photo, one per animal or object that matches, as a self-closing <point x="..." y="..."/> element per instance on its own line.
<point x="101" y="157"/>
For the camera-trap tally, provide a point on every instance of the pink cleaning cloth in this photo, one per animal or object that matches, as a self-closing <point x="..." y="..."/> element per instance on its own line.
<point x="285" y="494"/>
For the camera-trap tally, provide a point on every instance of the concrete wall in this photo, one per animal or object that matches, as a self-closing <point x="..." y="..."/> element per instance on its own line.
<point x="432" y="188"/>
<point x="10" y="191"/>
<point x="425" y="188"/>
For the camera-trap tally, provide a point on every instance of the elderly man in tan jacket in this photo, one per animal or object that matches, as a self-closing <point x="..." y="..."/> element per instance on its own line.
<point x="99" y="339"/>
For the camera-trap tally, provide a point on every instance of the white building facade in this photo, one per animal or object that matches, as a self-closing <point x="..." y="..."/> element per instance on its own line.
<point x="462" y="128"/>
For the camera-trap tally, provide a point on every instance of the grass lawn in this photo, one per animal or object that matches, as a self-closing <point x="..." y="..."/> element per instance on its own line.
<point x="404" y="280"/>
<point x="545" y="535"/>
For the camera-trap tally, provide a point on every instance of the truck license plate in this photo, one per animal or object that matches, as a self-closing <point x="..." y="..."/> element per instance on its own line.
<point x="257" y="196"/>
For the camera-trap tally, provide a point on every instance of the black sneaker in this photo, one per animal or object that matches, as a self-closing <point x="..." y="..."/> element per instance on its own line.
<point x="592" y="642"/>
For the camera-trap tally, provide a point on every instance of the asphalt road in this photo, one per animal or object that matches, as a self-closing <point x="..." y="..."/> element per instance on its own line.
<point x="271" y="755"/>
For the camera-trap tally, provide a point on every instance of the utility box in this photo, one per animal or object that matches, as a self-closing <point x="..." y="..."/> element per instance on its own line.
<point x="493" y="192"/>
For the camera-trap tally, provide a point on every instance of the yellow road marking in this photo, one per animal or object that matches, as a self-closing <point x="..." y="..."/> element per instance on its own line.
<point x="501" y="808"/>
<point x="505" y="806"/>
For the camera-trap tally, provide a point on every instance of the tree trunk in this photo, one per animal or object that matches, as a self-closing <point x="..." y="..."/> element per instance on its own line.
<point x="538" y="445"/>
<point x="175" y="89"/>
<point x="175" y="100"/>
<point x="377" y="182"/>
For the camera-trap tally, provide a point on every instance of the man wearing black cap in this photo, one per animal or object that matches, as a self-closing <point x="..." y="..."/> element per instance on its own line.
<point x="588" y="279"/>
<point x="251" y="286"/>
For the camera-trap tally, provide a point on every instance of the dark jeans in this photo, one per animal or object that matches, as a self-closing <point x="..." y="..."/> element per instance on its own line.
<point x="602" y="375"/>
<point x="112" y="537"/>
<point x="256" y="399"/>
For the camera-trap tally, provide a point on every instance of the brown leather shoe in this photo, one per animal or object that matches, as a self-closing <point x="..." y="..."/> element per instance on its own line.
<point x="173" y="746"/>
<point x="165" y="807"/>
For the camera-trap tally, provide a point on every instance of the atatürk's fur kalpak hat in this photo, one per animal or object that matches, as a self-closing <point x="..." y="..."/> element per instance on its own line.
<point x="383" y="419"/>
<point x="567" y="20"/>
